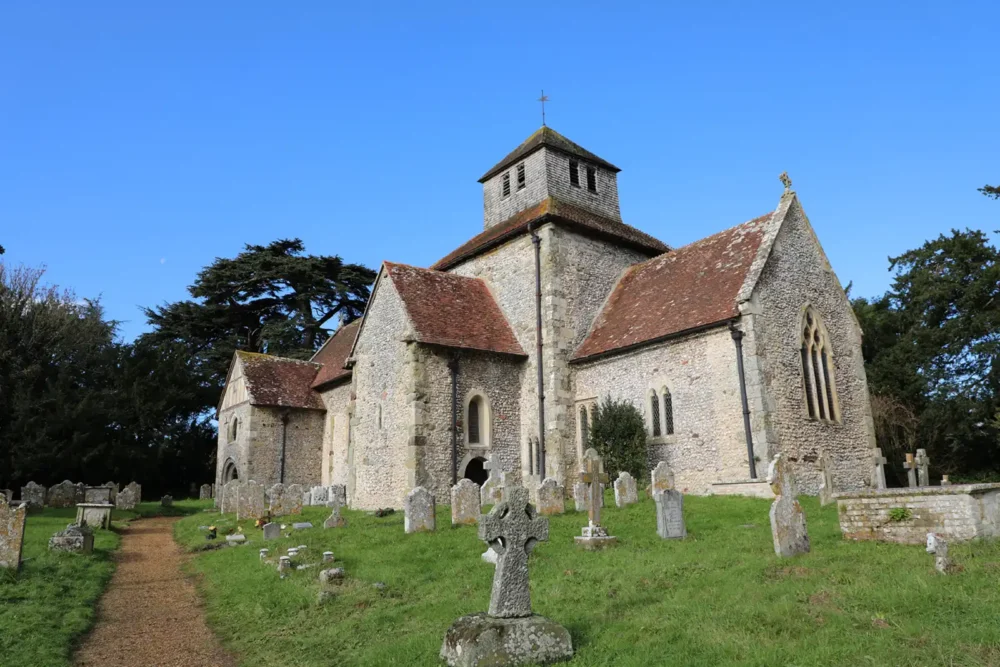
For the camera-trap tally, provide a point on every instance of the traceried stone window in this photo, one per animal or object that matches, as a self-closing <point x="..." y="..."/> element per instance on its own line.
<point x="574" y="173"/>
<point x="819" y="389"/>
<point x="477" y="421"/>
<point x="654" y="411"/>
<point x="520" y="176"/>
<point x="591" y="179"/>
<point x="668" y="412"/>
<point x="505" y="188"/>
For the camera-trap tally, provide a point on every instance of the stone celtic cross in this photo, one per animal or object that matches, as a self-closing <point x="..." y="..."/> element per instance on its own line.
<point x="512" y="529"/>
<point x="593" y="475"/>
<point x="878" y="471"/>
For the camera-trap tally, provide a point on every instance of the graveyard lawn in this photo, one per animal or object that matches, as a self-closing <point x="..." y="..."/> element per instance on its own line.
<point x="50" y="603"/>
<point x="720" y="597"/>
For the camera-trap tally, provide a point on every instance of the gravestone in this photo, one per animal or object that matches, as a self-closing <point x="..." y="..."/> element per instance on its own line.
<point x="319" y="495"/>
<point x="338" y="492"/>
<point x="114" y="491"/>
<point x="594" y="536"/>
<point x="276" y="499"/>
<point x="302" y="525"/>
<point x="945" y="481"/>
<point x="8" y="494"/>
<point x="937" y="546"/>
<point x="626" y="491"/>
<point x="334" y="520"/>
<point x="127" y="498"/>
<point x="788" y="521"/>
<point x="272" y="531"/>
<point x="508" y="634"/>
<point x="551" y="497"/>
<point x="294" y="498"/>
<point x="465" y="503"/>
<point x="826" y="479"/>
<point x="95" y="515"/>
<point x="62" y="494"/>
<point x="663" y="478"/>
<point x="12" y="520"/>
<point x="492" y="490"/>
<point x="878" y="469"/>
<point x="230" y="497"/>
<point x="76" y="538"/>
<point x="911" y="471"/>
<point x="670" y="514"/>
<point x="33" y="494"/>
<point x="167" y="501"/>
<point x="419" y="507"/>
<point x="923" y="468"/>
<point x="205" y="492"/>
<point x="250" y="502"/>
<point x="97" y="494"/>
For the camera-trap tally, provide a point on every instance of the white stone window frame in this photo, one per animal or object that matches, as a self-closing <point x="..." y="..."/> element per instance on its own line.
<point x="485" y="423"/>
<point x="590" y="404"/>
<point x="813" y="392"/>
<point x="664" y="438"/>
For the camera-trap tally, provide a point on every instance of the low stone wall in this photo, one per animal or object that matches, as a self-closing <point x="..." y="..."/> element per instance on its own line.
<point x="960" y="512"/>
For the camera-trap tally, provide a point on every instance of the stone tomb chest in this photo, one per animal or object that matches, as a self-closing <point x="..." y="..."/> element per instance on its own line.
<point x="957" y="513"/>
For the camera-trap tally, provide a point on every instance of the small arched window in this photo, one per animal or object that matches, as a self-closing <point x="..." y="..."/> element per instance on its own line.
<point x="234" y="428"/>
<point x="477" y="420"/>
<point x="668" y="412"/>
<point x="654" y="407"/>
<point x="819" y="389"/>
<point x="474" y="405"/>
<point x="584" y="428"/>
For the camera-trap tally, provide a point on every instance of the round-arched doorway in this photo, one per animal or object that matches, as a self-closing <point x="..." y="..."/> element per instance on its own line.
<point x="229" y="471"/>
<point x="475" y="471"/>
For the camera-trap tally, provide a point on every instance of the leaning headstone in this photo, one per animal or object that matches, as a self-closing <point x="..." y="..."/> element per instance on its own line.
<point x="937" y="546"/>
<point x="419" y="507"/>
<point x="250" y="503"/>
<point x="551" y="497"/>
<point x="492" y="489"/>
<point x="294" y="498"/>
<point x="127" y="498"/>
<point x="167" y="501"/>
<point x="334" y="520"/>
<point x="826" y="479"/>
<point x="626" y="491"/>
<point x="75" y="539"/>
<point x="508" y="634"/>
<point x="97" y="494"/>
<point x="788" y="521"/>
<point x="272" y="531"/>
<point x="33" y="494"/>
<point x="62" y="494"/>
<point x="911" y="471"/>
<point x="878" y="469"/>
<point x="95" y="515"/>
<point x="465" y="503"/>
<point x="205" y="492"/>
<point x="663" y="478"/>
<point x="670" y="514"/>
<point x="923" y="468"/>
<point x="319" y="495"/>
<point x="12" y="520"/>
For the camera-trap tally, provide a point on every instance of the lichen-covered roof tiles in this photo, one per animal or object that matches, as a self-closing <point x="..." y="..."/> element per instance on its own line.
<point x="553" y="210"/>
<point x="683" y="290"/>
<point x="451" y="310"/>
<point x="546" y="136"/>
<point x="333" y="355"/>
<point x="280" y="382"/>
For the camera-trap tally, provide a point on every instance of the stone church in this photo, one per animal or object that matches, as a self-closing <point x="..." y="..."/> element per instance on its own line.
<point x="734" y="347"/>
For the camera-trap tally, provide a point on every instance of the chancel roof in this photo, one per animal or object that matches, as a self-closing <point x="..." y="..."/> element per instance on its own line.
<point x="280" y="382"/>
<point x="333" y="355"/>
<point x="452" y="310"/>
<point x="681" y="291"/>
<point x="546" y="137"/>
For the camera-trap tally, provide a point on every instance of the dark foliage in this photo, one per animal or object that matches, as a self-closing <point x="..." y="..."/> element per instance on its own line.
<point x="618" y="433"/>
<point x="991" y="191"/>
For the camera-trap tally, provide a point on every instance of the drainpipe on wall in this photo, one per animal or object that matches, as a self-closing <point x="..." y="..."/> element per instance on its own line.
<point x="281" y="452"/>
<point x="453" y="367"/>
<point x="738" y="340"/>
<point x="538" y="350"/>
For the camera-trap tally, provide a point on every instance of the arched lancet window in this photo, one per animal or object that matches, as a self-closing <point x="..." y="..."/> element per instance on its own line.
<point x="234" y="427"/>
<point x="654" y="407"/>
<point x="474" y="420"/>
<point x="668" y="412"/>
<point x="819" y="389"/>
<point x="229" y="471"/>
<point x="477" y="421"/>
<point x="584" y="428"/>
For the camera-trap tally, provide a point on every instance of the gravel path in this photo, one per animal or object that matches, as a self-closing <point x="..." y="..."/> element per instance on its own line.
<point x="150" y="613"/>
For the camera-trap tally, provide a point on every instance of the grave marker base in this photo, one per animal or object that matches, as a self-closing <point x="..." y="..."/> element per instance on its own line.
<point x="481" y="639"/>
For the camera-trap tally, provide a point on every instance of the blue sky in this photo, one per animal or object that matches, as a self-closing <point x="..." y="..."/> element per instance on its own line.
<point x="138" y="141"/>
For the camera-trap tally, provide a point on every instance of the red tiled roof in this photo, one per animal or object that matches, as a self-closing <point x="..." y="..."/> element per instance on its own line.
<point x="683" y="290"/>
<point x="451" y="310"/>
<point x="553" y="210"/>
<point x="280" y="382"/>
<point x="333" y="355"/>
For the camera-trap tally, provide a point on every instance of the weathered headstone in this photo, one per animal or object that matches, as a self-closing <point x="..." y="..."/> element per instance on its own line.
<point x="33" y="494"/>
<point x="302" y="525"/>
<point x="114" y="490"/>
<point x="95" y="515"/>
<point x="465" y="503"/>
<point x="551" y="497"/>
<point x="62" y="494"/>
<point x="167" y="501"/>
<point x="663" y="478"/>
<point x="670" y="514"/>
<point x="419" y="507"/>
<point x="127" y="498"/>
<point x="294" y="498"/>
<point x="97" y="494"/>
<point x="236" y="539"/>
<point x="911" y="471"/>
<point x="508" y="634"/>
<point x="945" y="481"/>
<point x="272" y="531"/>
<point x="491" y="491"/>
<point x="937" y="546"/>
<point x="594" y="535"/>
<point x="825" y="479"/>
<point x="250" y="502"/>
<point x="338" y="492"/>
<point x="276" y="499"/>
<point x="626" y="491"/>
<point x="205" y="492"/>
<point x="230" y="497"/>
<point x="923" y="468"/>
<point x="878" y="469"/>
<point x="788" y="521"/>
<point x="8" y="494"/>
<point x="76" y="538"/>
<point x="319" y="495"/>
<point x="12" y="520"/>
<point x="334" y="520"/>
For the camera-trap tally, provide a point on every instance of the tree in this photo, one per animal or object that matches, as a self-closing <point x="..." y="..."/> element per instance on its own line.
<point x="618" y="432"/>
<point x="991" y="191"/>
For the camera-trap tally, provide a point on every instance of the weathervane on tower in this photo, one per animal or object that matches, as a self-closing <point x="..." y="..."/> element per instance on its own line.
<point x="543" y="99"/>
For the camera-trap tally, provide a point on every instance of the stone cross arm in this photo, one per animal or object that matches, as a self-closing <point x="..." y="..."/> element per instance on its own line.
<point x="591" y="477"/>
<point x="513" y="524"/>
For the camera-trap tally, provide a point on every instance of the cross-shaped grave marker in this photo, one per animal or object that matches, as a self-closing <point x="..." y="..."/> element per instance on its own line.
<point x="878" y="469"/>
<point x="593" y="475"/>
<point x="923" y="465"/>
<point x="512" y="528"/>
<point x="911" y="470"/>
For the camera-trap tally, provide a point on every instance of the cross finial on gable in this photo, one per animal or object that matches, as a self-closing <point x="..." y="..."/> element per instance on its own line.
<point x="786" y="181"/>
<point x="543" y="99"/>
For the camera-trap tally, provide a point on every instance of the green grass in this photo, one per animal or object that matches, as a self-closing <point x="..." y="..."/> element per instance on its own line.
<point x="721" y="597"/>
<point x="51" y="601"/>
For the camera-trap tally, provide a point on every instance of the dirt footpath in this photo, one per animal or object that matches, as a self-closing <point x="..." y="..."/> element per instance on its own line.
<point x="150" y="613"/>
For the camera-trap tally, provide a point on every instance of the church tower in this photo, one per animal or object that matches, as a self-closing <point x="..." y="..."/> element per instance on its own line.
<point x="549" y="166"/>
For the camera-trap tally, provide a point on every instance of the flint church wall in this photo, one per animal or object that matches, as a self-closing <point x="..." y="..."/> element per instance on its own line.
<point x="335" y="434"/>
